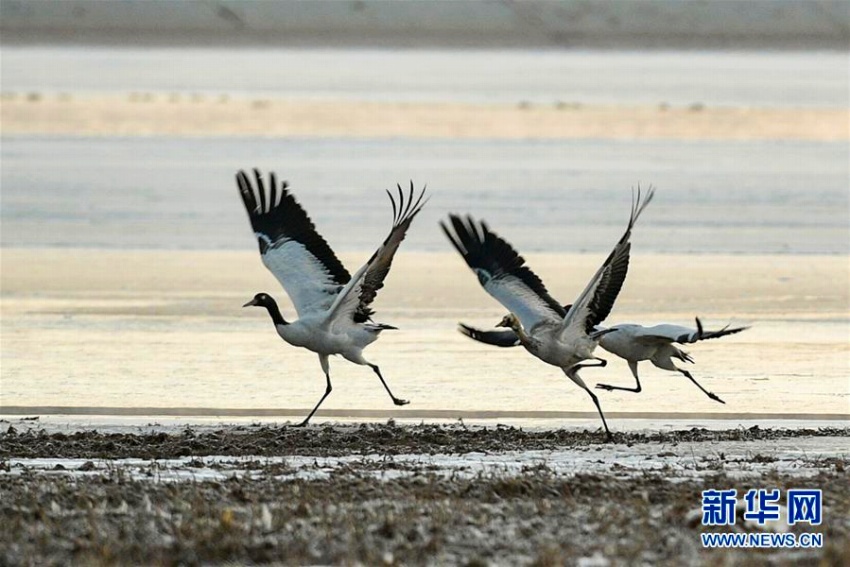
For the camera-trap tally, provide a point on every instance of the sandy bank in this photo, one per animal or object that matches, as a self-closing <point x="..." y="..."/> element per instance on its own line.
<point x="149" y="114"/>
<point x="166" y="282"/>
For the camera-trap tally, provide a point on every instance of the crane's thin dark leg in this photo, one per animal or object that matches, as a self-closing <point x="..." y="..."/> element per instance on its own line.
<point x="711" y="395"/>
<point x="396" y="401"/>
<point x="327" y="392"/>
<point x="572" y="374"/>
<point x="610" y="388"/>
<point x="602" y="415"/>
<point x="600" y="363"/>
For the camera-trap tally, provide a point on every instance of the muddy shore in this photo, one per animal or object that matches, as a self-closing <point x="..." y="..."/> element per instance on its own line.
<point x="337" y="440"/>
<point x="391" y="494"/>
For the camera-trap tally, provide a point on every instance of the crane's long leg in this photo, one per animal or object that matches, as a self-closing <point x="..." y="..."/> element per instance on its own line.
<point x="711" y="395"/>
<point x="666" y="363"/>
<point x="396" y="401"/>
<point x="633" y="365"/>
<point x="326" y="367"/>
<point x="572" y="374"/>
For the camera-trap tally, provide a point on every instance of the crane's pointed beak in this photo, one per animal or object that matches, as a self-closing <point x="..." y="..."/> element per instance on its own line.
<point x="250" y="303"/>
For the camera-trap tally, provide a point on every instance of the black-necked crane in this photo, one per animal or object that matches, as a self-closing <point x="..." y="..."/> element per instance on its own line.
<point x="334" y="313"/>
<point x="631" y="342"/>
<point x="562" y="338"/>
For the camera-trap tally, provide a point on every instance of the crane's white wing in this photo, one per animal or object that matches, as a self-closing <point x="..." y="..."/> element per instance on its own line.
<point x="596" y="301"/>
<point x="663" y="334"/>
<point x="683" y="335"/>
<point x="297" y="255"/>
<point x="353" y="302"/>
<point x="502" y="271"/>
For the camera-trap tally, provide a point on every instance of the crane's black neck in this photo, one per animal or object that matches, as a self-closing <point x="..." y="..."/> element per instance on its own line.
<point x="274" y="311"/>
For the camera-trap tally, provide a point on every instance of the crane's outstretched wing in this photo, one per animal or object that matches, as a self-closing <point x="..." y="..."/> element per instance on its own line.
<point x="502" y="271"/>
<point x="360" y="292"/>
<point x="290" y="247"/>
<point x="682" y="335"/>
<point x="495" y="337"/>
<point x="596" y="301"/>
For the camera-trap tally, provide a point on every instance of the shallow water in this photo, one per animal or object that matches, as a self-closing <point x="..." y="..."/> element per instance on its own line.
<point x="726" y="78"/>
<point x="714" y="196"/>
<point x="190" y="363"/>
<point x="554" y="196"/>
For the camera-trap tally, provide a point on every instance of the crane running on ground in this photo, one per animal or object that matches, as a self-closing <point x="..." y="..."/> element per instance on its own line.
<point x="334" y="313"/>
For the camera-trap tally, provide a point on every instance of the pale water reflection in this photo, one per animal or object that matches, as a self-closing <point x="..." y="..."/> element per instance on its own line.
<point x="89" y="341"/>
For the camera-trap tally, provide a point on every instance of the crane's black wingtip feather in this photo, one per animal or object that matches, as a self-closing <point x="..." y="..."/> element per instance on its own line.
<point x="616" y="265"/>
<point x="504" y="338"/>
<point x="487" y="253"/>
<point x="261" y="190"/>
<point x="392" y="202"/>
<point x="285" y="221"/>
<point x="465" y="329"/>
